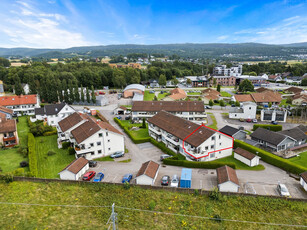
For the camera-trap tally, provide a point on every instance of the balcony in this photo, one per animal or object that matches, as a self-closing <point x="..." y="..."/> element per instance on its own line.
<point x="155" y="130"/>
<point x="10" y="138"/>
<point x="172" y="139"/>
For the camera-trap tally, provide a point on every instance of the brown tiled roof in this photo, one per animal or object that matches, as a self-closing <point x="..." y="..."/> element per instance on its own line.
<point x="294" y="90"/>
<point x="181" y="128"/>
<point x="149" y="168"/>
<point x="106" y="125"/>
<point x="244" y="153"/>
<point x="262" y="89"/>
<point x="85" y="130"/>
<point x="18" y="100"/>
<point x="7" y="125"/>
<point x="243" y="97"/>
<point x="76" y="165"/>
<point x="71" y="121"/>
<point x="212" y="97"/>
<point x="304" y="176"/>
<point x="272" y="77"/>
<point x="6" y="110"/>
<point x="225" y="173"/>
<point x="300" y="96"/>
<point x="170" y="106"/>
<point x="123" y="107"/>
<point x="178" y="94"/>
<point x="266" y="96"/>
<point x="210" y="91"/>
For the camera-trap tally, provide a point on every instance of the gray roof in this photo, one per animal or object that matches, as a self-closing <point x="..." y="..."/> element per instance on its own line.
<point x="268" y="136"/>
<point x="303" y="128"/>
<point x="135" y="86"/>
<point x="49" y="109"/>
<point x="229" y="130"/>
<point x="296" y="133"/>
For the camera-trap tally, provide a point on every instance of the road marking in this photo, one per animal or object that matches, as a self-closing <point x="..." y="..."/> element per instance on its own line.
<point x="201" y="184"/>
<point x="114" y="178"/>
<point x="264" y="190"/>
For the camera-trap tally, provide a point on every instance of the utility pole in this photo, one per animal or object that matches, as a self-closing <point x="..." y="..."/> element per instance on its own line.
<point x="113" y="217"/>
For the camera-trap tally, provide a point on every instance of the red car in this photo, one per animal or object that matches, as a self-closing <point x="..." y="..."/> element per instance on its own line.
<point x="248" y="120"/>
<point x="89" y="175"/>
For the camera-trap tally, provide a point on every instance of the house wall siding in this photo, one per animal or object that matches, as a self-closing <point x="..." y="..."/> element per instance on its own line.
<point x="228" y="187"/>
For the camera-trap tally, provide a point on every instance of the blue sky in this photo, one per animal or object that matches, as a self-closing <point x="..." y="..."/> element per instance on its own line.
<point x="68" y="23"/>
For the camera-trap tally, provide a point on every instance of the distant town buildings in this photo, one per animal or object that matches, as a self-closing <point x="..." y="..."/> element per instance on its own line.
<point x="222" y="70"/>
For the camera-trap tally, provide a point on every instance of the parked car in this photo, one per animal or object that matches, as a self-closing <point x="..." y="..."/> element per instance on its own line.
<point x="119" y="117"/>
<point x="175" y="181"/>
<point x="208" y="107"/>
<point x="99" y="176"/>
<point x="274" y="122"/>
<point x="151" y="91"/>
<point x="255" y="121"/>
<point x="164" y="156"/>
<point x="117" y="154"/>
<point x="233" y="105"/>
<point x="241" y="119"/>
<point x="283" y="191"/>
<point x="127" y="178"/>
<point x="249" y="120"/>
<point x="165" y="180"/>
<point x="92" y="164"/>
<point x="89" y="175"/>
<point x="127" y="118"/>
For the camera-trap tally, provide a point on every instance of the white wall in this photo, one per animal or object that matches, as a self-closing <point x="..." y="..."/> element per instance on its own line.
<point x="55" y="119"/>
<point x="145" y="180"/>
<point x="228" y="187"/>
<point x="67" y="175"/>
<point x="251" y="163"/>
<point x="249" y="112"/>
<point x="304" y="184"/>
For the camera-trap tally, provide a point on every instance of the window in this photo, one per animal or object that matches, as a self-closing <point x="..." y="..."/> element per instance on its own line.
<point x="213" y="138"/>
<point x="92" y="144"/>
<point x="220" y="144"/>
<point x="92" y="153"/>
<point x="220" y="152"/>
<point x="108" y="140"/>
<point x="100" y="134"/>
<point x="212" y="155"/>
<point x="109" y="149"/>
<point x="98" y="143"/>
<point x="99" y="151"/>
<point x="212" y="146"/>
<point x="107" y="133"/>
<point x="220" y="136"/>
<point x="206" y="148"/>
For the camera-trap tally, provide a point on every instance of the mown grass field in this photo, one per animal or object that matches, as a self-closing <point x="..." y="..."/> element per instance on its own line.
<point x="265" y="210"/>
<point x="10" y="158"/>
<point x="141" y="133"/>
<point x="148" y="96"/>
<point x="50" y="166"/>
<point x="300" y="160"/>
<point x="214" y="122"/>
<point x="225" y="94"/>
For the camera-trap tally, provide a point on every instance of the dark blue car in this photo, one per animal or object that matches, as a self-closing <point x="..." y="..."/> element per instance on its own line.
<point x="127" y="178"/>
<point x="98" y="177"/>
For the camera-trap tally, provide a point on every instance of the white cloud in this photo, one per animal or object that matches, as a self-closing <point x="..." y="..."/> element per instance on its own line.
<point x="37" y="29"/>
<point x="220" y="38"/>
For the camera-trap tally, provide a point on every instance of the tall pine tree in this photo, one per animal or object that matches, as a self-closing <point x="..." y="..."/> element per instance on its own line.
<point x="93" y="95"/>
<point x="82" y="94"/>
<point x="18" y="87"/>
<point x="71" y="92"/>
<point x="88" y="98"/>
<point x="76" y="92"/>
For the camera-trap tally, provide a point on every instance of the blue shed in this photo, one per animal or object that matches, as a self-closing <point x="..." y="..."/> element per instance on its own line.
<point x="186" y="178"/>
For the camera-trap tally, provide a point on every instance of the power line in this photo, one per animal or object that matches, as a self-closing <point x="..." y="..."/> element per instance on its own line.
<point x="157" y="212"/>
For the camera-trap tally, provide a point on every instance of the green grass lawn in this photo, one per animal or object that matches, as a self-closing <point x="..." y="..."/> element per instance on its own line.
<point x="148" y="96"/>
<point x="214" y="124"/>
<point x="10" y="158"/>
<point x="141" y="133"/>
<point x="301" y="160"/>
<point x="151" y="205"/>
<point x="162" y="95"/>
<point x="50" y="166"/>
<point x="225" y="94"/>
<point x="107" y="158"/>
<point x="239" y="164"/>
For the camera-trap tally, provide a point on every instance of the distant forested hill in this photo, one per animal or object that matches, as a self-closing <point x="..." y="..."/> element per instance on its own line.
<point x="240" y="51"/>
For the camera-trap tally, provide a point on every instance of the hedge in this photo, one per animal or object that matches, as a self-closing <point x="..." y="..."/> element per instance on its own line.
<point x="197" y="164"/>
<point x="274" y="128"/>
<point x="54" y="132"/>
<point x="166" y="150"/>
<point x="271" y="158"/>
<point x="32" y="155"/>
<point x="127" y="131"/>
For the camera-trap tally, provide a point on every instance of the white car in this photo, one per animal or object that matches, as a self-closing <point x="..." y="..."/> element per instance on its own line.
<point x="175" y="181"/>
<point x="283" y="191"/>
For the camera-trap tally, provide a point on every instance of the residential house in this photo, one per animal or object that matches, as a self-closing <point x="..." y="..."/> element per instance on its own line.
<point x="95" y="139"/>
<point x="210" y="94"/>
<point x="135" y="65"/>
<point x="23" y="104"/>
<point x="153" y="83"/>
<point x="8" y="131"/>
<point x="177" y="94"/>
<point x="75" y="169"/>
<point x="53" y="113"/>
<point x="195" y="142"/>
<point x="121" y="110"/>
<point x="272" y="140"/>
<point x="26" y="88"/>
<point x="224" y="80"/>
<point x="262" y="89"/>
<point x="273" y="114"/>
<point x="148" y="173"/>
<point x="256" y="80"/>
<point x="132" y="89"/>
<point x="190" y="110"/>
<point x="247" y="110"/>
<point x="246" y="157"/>
<point x="238" y="134"/>
<point x="294" y="90"/>
<point x="227" y="180"/>
<point x="8" y="113"/>
<point x="303" y="180"/>
<point x="102" y="100"/>
<point x="197" y="81"/>
<point x="294" y="80"/>
<point x="138" y="97"/>
<point x="303" y="128"/>
<point x="262" y="98"/>
<point x="275" y="78"/>
<point x="299" y="99"/>
<point x="222" y="70"/>
<point x="297" y="134"/>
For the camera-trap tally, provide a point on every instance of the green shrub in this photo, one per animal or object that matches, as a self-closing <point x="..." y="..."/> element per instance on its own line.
<point x="274" y="128"/>
<point x="271" y="158"/>
<point x="54" y="132"/>
<point x="51" y="153"/>
<point x="32" y="155"/>
<point x="65" y="145"/>
<point x="8" y="177"/>
<point x="126" y="185"/>
<point x="71" y="151"/>
<point x="152" y="205"/>
<point x="215" y="194"/>
<point x="23" y="150"/>
<point x="19" y="172"/>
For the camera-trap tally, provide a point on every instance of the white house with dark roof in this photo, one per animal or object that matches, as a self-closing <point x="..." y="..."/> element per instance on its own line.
<point x="238" y="134"/>
<point x="303" y="180"/>
<point x="147" y="174"/>
<point x="247" y="110"/>
<point x="75" y="169"/>
<point x="94" y="139"/>
<point x="53" y="113"/>
<point x="227" y="180"/>
<point x="193" y="141"/>
<point x="246" y="157"/>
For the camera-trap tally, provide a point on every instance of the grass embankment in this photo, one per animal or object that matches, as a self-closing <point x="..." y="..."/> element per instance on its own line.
<point x="50" y="166"/>
<point x="300" y="160"/>
<point x="214" y="122"/>
<point x="107" y="158"/>
<point x="10" y="158"/>
<point x="266" y="210"/>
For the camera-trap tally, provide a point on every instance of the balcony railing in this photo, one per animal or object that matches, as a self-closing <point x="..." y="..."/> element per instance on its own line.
<point x="11" y="138"/>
